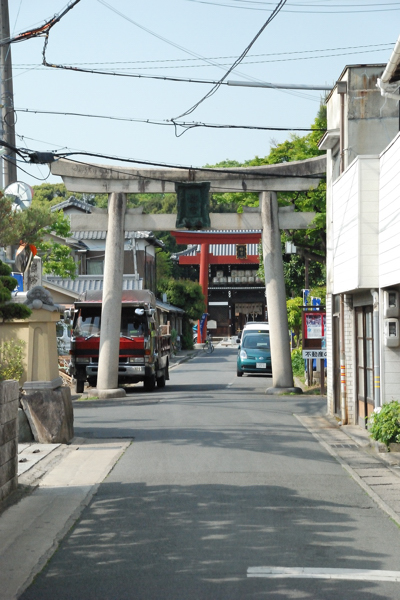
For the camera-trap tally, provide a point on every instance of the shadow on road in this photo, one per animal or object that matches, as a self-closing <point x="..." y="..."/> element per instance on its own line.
<point x="175" y="542"/>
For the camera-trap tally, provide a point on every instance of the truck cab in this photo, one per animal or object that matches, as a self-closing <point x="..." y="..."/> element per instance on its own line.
<point x="144" y="352"/>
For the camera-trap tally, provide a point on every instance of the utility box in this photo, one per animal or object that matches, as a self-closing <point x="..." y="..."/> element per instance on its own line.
<point x="390" y="303"/>
<point x="391" y="332"/>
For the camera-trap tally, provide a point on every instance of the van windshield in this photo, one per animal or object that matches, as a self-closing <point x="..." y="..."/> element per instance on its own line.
<point x="256" y="340"/>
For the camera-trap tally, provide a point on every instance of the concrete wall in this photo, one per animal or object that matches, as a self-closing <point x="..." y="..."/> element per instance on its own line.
<point x="372" y="121"/>
<point x="8" y="437"/>
<point x="345" y="230"/>
<point x="355" y="198"/>
<point x="389" y="221"/>
<point x="369" y="221"/>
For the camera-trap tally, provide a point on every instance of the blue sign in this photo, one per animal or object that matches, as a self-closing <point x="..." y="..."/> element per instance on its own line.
<point x="20" y="278"/>
<point x="202" y="321"/>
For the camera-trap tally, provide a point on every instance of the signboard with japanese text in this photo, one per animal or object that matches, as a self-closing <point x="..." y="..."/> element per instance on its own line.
<point x="314" y="354"/>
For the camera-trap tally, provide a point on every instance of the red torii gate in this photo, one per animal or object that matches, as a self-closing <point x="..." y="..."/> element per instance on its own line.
<point x="204" y="239"/>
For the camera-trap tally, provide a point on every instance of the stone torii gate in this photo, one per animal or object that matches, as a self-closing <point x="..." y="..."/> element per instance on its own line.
<point x="118" y="181"/>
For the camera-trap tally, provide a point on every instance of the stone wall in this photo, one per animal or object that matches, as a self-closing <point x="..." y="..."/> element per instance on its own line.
<point x="9" y="392"/>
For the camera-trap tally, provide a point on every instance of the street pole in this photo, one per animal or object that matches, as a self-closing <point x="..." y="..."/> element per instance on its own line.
<point x="7" y="96"/>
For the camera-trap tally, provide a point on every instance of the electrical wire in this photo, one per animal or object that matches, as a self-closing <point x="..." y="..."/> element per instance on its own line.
<point x="158" y="36"/>
<point x="216" y="87"/>
<point x="41" y="31"/>
<point x="165" y="123"/>
<point x="296" y="11"/>
<point x="254" y="62"/>
<point x="135" y="75"/>
<point x="377" y="47"/>
<point x="244" y="75"/>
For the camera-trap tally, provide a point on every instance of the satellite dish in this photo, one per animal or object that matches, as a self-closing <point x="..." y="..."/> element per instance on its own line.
<point x="21" y="193"/>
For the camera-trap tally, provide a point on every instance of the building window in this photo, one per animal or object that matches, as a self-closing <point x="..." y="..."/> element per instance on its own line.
<point x="95" y="267"/>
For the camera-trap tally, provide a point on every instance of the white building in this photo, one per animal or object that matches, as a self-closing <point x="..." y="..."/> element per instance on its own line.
<point x="363" y="239"/>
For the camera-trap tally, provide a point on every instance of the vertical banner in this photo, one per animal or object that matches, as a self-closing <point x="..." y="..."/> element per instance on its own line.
<point x="202" y="321"/>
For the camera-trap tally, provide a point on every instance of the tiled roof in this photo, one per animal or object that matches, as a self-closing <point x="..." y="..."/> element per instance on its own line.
<point x="129" y="235"/>
<point x="93" y="282"/>
<point x="72" y="201"/>
<point x="169" y="307"/>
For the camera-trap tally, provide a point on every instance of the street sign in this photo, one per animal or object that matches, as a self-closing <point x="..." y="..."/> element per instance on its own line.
<point x="314" y="354"/>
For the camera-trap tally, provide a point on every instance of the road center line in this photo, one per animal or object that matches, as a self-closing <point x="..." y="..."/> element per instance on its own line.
<point x="310" y="573"/>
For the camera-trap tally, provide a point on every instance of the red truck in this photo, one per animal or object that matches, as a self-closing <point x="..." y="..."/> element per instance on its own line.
<point x="144" y="351"/>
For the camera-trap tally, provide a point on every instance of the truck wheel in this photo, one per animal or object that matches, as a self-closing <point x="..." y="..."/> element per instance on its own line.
<point x="79" y="386"/>
<point x="239" y="373"/>
<point x="150" y="383"/>
<point x="92" y="381"/>
<point x="161" y="381"/>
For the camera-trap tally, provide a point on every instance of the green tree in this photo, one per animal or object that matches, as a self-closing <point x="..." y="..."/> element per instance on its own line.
<point x="294" y="313"/>
<point x="187" y="295"/>
<point x="31" y="226"/>
<point x="163" y="267"/>
<point x="50" y="193"/>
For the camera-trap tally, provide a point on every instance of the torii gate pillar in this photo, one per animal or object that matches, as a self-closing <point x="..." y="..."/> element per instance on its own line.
<point x="203" y="281"/>
<point x="107" y="379"/>
<point x="282" y="373"/>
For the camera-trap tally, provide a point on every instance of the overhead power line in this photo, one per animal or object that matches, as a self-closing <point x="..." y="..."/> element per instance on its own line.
<point x="187" y="125"/>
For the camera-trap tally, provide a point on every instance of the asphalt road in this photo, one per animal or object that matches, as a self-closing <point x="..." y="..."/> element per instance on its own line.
<point x="219" y="479"/>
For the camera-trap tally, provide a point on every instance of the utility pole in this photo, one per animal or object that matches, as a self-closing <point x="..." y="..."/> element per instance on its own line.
<point x="7" y="96"/>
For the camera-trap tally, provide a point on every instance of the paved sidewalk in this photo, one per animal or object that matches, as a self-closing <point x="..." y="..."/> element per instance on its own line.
<point x="376" y="472"/>
<point x="64" y="481"/>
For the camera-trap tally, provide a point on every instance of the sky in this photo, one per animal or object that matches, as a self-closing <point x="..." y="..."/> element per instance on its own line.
<point x="308" y="42"/>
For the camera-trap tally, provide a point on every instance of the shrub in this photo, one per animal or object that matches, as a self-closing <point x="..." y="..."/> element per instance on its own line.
<point x="187" y="335"/>
<point x="298" y="362"/>
<point x="384" y="424"/>
<point x="11" y="360"/>
<point x="9" y="310"/>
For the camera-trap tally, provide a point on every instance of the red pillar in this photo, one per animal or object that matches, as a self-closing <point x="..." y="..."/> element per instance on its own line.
<point x="203" y="280"/>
